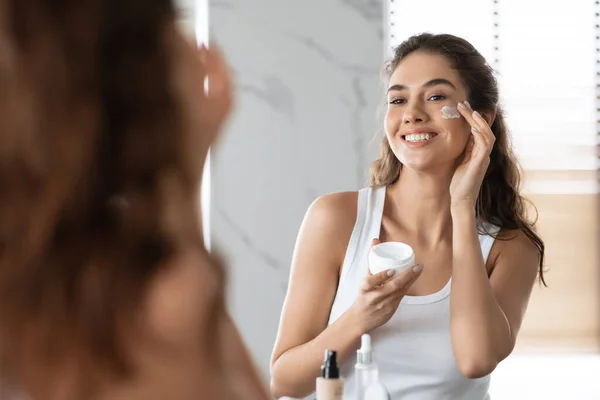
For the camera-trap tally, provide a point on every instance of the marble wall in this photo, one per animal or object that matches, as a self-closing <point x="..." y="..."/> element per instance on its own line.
<point x="308" y="85"/>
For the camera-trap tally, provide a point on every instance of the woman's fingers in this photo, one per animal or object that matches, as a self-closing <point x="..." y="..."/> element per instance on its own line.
<point x="372" y="282"/>
<point x="401" y="282"/>
<point x="482" y="134"/>
<point x="217" y="71"/>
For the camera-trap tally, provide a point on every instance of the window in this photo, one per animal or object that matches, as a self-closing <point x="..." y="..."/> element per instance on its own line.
<point x="547" y="58"/>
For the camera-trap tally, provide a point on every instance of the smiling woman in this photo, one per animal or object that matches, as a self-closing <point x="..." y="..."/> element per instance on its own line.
<point x="446" y="184"/>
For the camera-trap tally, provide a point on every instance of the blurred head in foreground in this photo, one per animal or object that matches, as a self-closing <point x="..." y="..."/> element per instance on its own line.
<point x="106" y="288"/>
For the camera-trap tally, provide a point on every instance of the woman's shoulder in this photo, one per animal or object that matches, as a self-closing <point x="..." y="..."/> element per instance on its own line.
<point x="182" y="297"/>
<point x="330" y="219"/>
<point x="514" y="244"/>
<point x="334" y="209"/>
<point x="516" y="240"/>
<point x="336" y="204"/>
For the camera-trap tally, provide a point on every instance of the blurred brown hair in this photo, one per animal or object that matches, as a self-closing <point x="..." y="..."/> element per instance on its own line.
<point x="91" y="167"/>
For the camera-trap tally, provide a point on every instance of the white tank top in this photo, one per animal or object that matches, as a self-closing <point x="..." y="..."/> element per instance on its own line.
<point x="412" y="350"/>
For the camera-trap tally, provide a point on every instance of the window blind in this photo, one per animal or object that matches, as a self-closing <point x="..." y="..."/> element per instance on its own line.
<point x="469" y="19"/>
<point x="547" y="58"/>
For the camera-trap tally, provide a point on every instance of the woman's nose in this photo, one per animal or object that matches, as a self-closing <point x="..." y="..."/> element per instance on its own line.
<point x="413" y="114"/>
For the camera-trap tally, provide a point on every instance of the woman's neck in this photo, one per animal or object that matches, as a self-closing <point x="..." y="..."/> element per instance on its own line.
<point x="420" y="202"/>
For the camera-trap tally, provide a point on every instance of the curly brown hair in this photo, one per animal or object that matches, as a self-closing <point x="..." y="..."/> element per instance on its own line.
<point x="499" y="201"/>
<point x="91" y="166"/>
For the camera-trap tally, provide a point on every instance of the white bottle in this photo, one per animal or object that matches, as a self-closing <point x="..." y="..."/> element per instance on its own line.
<point x="376" y="391"/>
<point x="365" y="369"/>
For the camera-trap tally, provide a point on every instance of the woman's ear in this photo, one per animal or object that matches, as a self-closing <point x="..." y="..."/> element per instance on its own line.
<point x="489" y="116"/>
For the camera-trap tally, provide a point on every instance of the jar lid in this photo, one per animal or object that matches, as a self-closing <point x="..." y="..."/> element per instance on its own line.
<point x="387" y="255"/>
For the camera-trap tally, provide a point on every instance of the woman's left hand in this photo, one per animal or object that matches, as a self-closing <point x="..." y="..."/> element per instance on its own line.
<point x="469" y="174"/>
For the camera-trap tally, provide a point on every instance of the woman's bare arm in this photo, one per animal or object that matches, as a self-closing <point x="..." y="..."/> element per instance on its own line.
<point x="486" y="313"/>
<point x="303" y="333"/>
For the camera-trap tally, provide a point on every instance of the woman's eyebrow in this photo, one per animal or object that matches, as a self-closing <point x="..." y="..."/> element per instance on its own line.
<point x="433" y="82"/>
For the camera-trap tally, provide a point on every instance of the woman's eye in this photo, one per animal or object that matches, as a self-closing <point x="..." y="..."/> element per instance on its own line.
<point x="436" y="97"/>
<point x="397" y="101"/>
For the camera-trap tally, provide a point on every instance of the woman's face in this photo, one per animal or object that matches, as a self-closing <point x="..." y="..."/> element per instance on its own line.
<point x="422" y="125"/>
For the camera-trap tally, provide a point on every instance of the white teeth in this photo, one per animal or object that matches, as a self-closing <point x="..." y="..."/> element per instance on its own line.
<point x="418" y="137"/>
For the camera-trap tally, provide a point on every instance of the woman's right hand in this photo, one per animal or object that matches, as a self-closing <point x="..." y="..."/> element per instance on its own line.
<point x="380" y="296"/>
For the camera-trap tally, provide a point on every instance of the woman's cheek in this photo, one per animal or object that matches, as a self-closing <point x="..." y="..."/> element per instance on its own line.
<point x="450" y="112"/>
<point x="392" y="120"/>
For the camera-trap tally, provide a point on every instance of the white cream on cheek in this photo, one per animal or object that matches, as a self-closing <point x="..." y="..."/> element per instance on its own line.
<point x="449" y="112"/>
